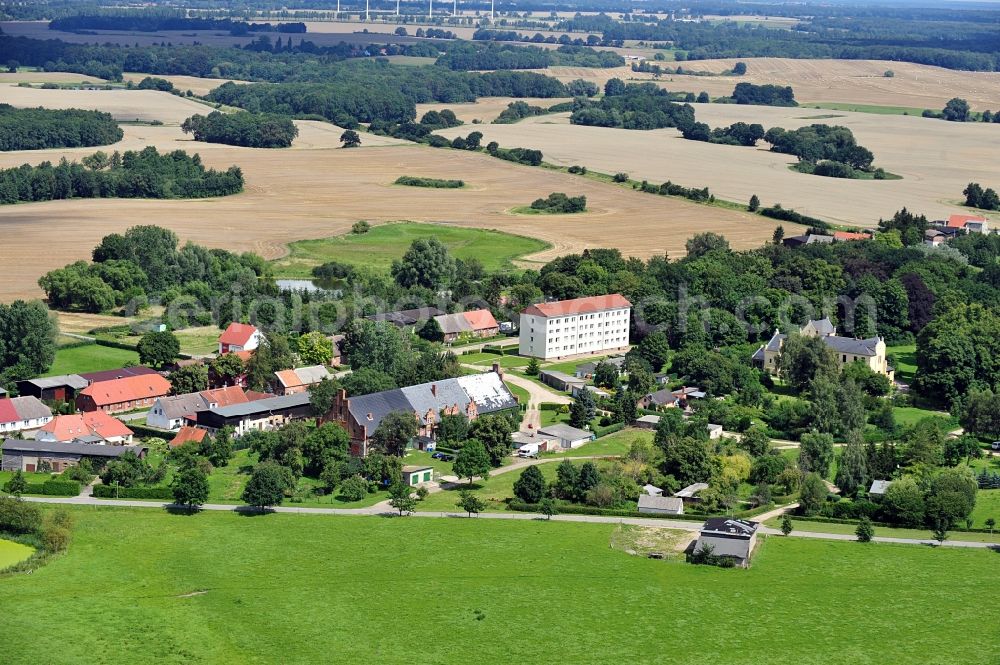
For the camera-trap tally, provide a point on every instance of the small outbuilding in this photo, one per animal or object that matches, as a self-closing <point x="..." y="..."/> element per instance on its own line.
<point x="417" y="475"/>
<point x="878" y="488"/>
<point x="566" y="436"/>
<point x="660" y="505"/>
<point x="730" y="538"/>
<point x="690" y="493"/>
<point x="652" y="490"/>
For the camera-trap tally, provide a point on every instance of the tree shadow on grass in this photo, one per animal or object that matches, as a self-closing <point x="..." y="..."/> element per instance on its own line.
<point x="174" y="509"/>
<point x="252" y="511"/>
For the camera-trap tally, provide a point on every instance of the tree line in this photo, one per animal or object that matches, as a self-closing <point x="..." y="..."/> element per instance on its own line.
<point x="977" y="197"/>
<point x="38" y="128"/>
<point x="469" y="56"/>
<point x="252" y="130"/>
<point x="144" y="174"/>
<point x="632" y="106"/>
<point x="144" y="21"/>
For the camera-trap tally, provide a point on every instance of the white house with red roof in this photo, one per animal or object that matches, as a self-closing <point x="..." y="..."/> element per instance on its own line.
<point x="574" y="327"/>
<point x="239" y="337"/>
<point x="969" y="223"/>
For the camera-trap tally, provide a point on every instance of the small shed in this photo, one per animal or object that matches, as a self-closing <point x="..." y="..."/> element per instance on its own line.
<point x="417" y="475"/>
<point x="879" y="487"/>
<point x="568" y="437"/>
<point x="714" y="431"/>
<point x="647" y="422"/>
<point x="660" y="505"/>
<point x="690" y="493"/>
<point x="652" y="490"/>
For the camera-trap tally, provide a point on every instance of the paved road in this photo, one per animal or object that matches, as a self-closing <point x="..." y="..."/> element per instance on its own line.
<point x="591" y="519"/>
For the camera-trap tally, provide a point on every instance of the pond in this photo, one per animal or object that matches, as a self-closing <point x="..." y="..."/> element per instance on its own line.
<point x="332" y="287"/>
<point x="12" y="553"/>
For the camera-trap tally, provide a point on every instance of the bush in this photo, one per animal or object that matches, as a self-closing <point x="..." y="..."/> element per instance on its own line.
<point x="559" y="203"/>
<point x="109" y="492"/>
<point x="361" y="227"/>
<point x="413" y="181"/>
<point x="19" y="516"/>
<point x="61" y="488"/>
<point x="55" y="538"/>
<point x="620" y="177"/>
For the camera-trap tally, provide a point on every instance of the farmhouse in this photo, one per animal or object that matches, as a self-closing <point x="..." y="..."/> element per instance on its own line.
<point x="23" y="414"/>
<point x="117" y="395"/>
<point x="417" y="475"/>
<point x="566" y="436"/>
<point x="572" y="327"/>
<point x="291" y="381"/>
<point x="171" y="412"/>
<point x="731" y="538"/>
<point x="473" y="395"/>
<point x="966" y="224"/>
<point x="847" y="349"/>
<point x="660" y="505"/>
<point x="477" y="323"/>
<point x="53" y="388"/>
<point x="264" y="414"/>
<point x="239" y="337"/>
<point x="31" y="456"/>
<point x="92" y="427"/>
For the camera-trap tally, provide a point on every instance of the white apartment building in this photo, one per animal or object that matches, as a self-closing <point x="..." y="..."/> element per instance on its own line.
<point x="573" y="327"/>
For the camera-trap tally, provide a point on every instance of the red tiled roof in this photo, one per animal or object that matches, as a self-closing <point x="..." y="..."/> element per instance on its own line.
<point x="226" y="396"/>
<point x="959" y="221"/>
<point x="127" y="390"/>
<point x="254" y="396"/>
<point x="289" y="379"/>
<point x="186" y="434"/>
<point x="579" y="306"/>
<point x="67" y="428"/>
<point x="481" y="319"/>
<point x="8" y="414"/>
<point x="848" y="235"/>
<point x="237" y="334"/>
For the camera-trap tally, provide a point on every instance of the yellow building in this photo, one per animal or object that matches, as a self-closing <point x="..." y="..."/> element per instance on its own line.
<point x="870" y="351"/>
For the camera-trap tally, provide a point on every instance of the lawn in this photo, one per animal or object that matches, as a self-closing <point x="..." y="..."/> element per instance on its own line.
<point x="615" y="444"/>
<point x="494" y="491"/>
<point x="987" y="506"/>
<point x="911" y="415"/>
<point x="91" y="358"/>
<point x="12" y="553"/>
<point x="487" y="360"/>
<point x="222" y="588"/>
<point x="886" y="532"/>
<point x="383" y="244"/>
<point x="905" y="361"/>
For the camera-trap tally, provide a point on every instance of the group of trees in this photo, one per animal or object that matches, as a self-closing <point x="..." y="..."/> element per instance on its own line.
<point x="142" y="21"/>
<point x="739" y="133"/>
<point x="38" y="128"/>
<point x="28" y="334"/>
<point x="977" y="197"/>
<point x="824" y="149"/>
<point x="764" y="95"/>
<point x="632" y="106"/>
<point x="470" y="56"/>
<point x="144" y="174"/>
<point x="252" y="130"/>
<point x="145" y="262"/>
<point x="559" y="203"/>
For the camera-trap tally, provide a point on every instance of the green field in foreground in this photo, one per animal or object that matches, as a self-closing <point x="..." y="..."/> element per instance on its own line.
<point x="378" y="248"/>
<point x="221" y="588"/>
<point x="12" y="553"/>
<point x="91" y="358"/>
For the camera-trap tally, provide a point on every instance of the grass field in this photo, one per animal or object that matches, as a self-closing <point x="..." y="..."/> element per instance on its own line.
<point x="867" y="108"/>
<point x="91" y="358"/>
<point x="493" y="491"/>
<point x="221" y="588"/>
<point x="886" y="532"/>
<point x="12" y="553"/>
<point x="906" y="361"/>
<point x="987" y="506"/>
<point x="383" y="244"/>
<point x="911" y="415"/>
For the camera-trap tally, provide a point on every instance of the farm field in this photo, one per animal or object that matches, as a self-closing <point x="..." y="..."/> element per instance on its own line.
<point x="936" y="160"/>
<point x="382" y="245"/>
<point x="817" y="80"/>
<point x="90" y="358"/>
<point x="257" y="606"/>
<point x="317" y="190"/>
<point x="485" y="109"/>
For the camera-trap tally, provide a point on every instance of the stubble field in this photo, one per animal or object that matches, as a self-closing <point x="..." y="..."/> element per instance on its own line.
<point x="317" y="190"/>
<point x="936" y="159"/>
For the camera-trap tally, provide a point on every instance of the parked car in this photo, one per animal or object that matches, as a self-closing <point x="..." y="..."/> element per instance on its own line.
<point x="995" y="445"/>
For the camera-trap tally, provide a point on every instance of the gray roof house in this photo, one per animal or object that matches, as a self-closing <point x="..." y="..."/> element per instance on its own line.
<point x="30" y="456"/>
<point x="660" y="505"/>
<point x="729" y="538"/>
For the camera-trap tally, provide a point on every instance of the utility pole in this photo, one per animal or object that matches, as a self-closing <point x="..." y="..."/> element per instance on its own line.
<point x="454" y="9"/>
<point x="397" y="7"/>
<point x="367" y="15"/>
<point x="430" y="9"/>
<point x="491" y="10"/>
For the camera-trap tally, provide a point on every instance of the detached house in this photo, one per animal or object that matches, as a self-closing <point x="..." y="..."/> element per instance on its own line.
<point x="870" y="351"/>
<point x="729" y="538"/>
<point x="474" y="395"/>
<point x="291" y="381"/>
<point x="134" y="392"/>
<point x="477" y="323"/>
<point x="968" y="224"/>
<point x="239" y="337"/>
<point x="23" y="414"/>
<point x="93" y="427"/>
<point x="171" y="412"/>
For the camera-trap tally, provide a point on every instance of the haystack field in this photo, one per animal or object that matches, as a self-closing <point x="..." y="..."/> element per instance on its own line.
<point x="317" y="190"/>
<point x="851" y="81"/>
<point x="936" y="159"/>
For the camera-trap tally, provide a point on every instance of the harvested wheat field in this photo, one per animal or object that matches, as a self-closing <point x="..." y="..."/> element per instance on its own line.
<point x="124" y="105"/>
<point x="936" y="159"/>
<point x="321" y="190"/>
<point x="852" y="81"/>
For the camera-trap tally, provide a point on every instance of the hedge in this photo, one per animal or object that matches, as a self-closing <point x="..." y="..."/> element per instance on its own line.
<point x="889" y="525"/>
<point x="109" y="492"/>
<point x="115" y="345"/>
<point x="51" y="488"/>
<point x="143" y="431"/>
<point x="577" y="509"/>
<point x="549" y="406"/>
<point x="609" y="429"/>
